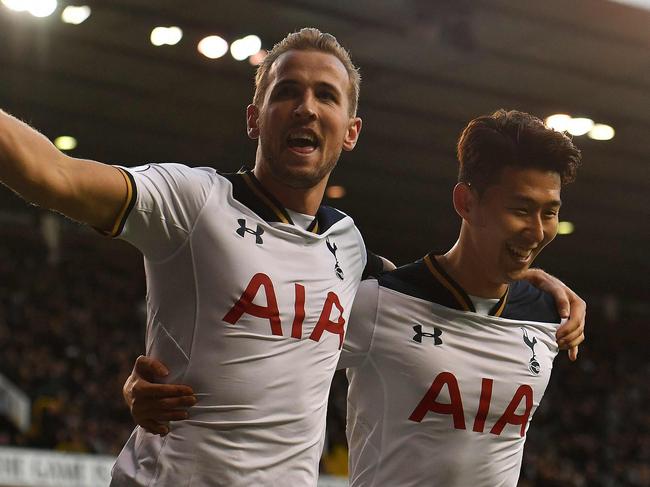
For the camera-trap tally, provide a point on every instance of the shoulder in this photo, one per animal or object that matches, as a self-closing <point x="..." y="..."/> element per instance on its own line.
<point x="526" y="302"/>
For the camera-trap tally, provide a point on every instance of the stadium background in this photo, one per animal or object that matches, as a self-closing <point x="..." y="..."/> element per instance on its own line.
<point x="71" y="302"/>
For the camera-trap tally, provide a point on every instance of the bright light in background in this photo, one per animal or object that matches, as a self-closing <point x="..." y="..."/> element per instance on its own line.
<point x="16" y="5"/>
<point x="644" y="4"/>
<point x="580" y="126"/>
<point x="38" y="8"/>
<point x="565" y="228"/>
<point x="600" y="131"/>
<point x="65" y="142"/>
<point x="170" y="36"/>
<point x="75" y="15"/>
<point x="42" y="8"/>
<point x="258" y="57"/>
<point x="335" y="192"/>
<point x="247" y="46"/>
<point x="558" y="122"/>
<point x="213" y="47"/>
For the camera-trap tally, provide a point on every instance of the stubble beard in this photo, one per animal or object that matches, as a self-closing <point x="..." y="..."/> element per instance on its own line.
<point x="297" y="179"/>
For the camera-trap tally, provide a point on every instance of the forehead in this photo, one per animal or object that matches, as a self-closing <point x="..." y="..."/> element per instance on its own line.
<point x="309" y="66"/>
<point x="540" y="185"/>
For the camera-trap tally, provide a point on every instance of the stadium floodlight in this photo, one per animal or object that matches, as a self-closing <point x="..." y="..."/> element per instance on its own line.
<point x="170" y="36"/>
<point x="16" y="5"/>
<point x="65" y="142"/>
<point x="601" y="131"/>
<point x="41" y="8"/>
<point x="213" y="47"/>
<point x="580" y="126"/>
<point x="565" y="228"/>
<point x="75" y="15"/>
<point x="559" y="122"/>
<point x="245" y="47"/>
<point x="257" y="58"/>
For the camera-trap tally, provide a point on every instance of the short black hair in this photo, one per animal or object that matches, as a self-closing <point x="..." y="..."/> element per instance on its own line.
<point x="517" y="139"/>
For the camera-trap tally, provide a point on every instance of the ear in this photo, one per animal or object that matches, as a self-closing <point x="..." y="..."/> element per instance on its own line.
<point x="252" y="127"/>
<point x="465" y="201"/>
<point x="352" y="135"/>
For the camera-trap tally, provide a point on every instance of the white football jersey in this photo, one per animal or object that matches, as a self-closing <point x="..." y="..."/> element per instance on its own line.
<point x="440" y="395"/>
<point x="250" y="311"/>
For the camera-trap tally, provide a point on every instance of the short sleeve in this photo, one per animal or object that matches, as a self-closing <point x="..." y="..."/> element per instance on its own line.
<point x="361" y="327"/>
<point x="166" y="202"/>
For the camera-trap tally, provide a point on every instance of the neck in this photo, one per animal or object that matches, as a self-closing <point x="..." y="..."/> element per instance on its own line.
<point x="465" y="265"/>
<point x="301" y="200"/>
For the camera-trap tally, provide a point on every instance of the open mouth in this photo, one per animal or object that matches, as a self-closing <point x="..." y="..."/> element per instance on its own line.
<point x="303" y="141"/>
<point x="519" y="254"/>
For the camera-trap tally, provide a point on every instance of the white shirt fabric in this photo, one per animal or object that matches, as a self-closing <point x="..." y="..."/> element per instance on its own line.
<point x="419" y="372"/>
<point x="215" y="271"/>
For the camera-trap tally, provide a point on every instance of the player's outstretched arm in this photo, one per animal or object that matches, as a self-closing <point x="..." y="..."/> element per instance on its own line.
<point x="569" y="305"/>
<point x="152" y="405"/>
<point x="86" y="191"/>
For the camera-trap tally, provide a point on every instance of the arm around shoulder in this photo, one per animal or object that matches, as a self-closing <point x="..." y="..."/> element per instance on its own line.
<point x="86" y="191"/>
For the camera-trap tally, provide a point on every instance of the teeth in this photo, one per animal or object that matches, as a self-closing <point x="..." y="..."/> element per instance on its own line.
<point x="521" y="253"/>
<point x="303" y="136"/>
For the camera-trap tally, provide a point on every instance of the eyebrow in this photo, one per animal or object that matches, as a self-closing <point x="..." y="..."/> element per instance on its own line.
<point x="531" y="201"/>
<point x="319" y="84"/>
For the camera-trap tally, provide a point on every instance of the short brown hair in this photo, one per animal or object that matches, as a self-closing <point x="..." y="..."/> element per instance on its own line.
<point x="512" y="138"/>
<point x="308" y="39"/>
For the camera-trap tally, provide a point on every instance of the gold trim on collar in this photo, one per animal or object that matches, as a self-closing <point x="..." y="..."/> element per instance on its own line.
<point x="502" y="304"/>
<point x="264" y="198"/>
<point x="445" y="282"/>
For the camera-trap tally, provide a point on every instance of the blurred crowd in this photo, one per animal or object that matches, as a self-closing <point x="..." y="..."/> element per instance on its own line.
<point x="70" y="331"/>
<point x="68" y="334"/>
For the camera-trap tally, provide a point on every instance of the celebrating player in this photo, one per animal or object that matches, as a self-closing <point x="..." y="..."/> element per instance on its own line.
<point x="249" y="280"/>
<point x="450" y="356"/>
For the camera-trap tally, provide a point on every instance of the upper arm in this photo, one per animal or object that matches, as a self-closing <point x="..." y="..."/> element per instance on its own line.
<point x="86" y="191"/>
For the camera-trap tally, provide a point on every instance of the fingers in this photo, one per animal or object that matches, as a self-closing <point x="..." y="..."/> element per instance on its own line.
<point x="149" y="368"/>
<point x="571" y="338"/>
<point x="146" y="390"/>
<point x="155" y="428"/>
<point x="573" y="354"/>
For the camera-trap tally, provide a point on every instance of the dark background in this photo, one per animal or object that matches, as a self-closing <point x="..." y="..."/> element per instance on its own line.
<point x="428" y="68"/>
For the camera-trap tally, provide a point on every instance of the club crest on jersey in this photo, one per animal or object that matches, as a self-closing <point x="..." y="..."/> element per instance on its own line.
<point x="243" y="230"/>
<point x="435" y="335"/>
<point x="533" y="364"/>
<point x="337" y="268"/>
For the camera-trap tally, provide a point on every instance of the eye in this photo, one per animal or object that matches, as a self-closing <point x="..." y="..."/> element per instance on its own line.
<point x="284" y="91"/>
<point x="551" y="214"/>
<point x="519" y="211"/>
<point x="327" y="95"/>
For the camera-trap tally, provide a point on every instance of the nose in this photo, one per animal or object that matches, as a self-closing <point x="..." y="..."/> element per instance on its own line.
<point x="535" y="228"/>
<point x="305" y="109"/>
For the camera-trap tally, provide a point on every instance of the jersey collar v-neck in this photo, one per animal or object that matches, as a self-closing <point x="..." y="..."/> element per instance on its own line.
<point x="460" y="297"/>
<point x="249" y="191"/>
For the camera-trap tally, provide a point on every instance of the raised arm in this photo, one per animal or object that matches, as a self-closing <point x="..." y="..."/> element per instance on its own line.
<point x="86" y="191"/>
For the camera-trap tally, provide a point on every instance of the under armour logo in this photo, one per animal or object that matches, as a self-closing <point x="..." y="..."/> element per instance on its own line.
<point x="337" y="267"/>
<point x="243" y="230"/>
<point x="533" y="364"/>
<point x="435" y="335"/>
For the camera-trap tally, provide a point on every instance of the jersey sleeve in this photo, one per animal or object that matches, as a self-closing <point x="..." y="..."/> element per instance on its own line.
<point x="166" y="200"/>
<point x="361" y="327"/>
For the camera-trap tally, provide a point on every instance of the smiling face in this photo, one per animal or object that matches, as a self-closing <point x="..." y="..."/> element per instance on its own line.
<point x="513" y="221"/>
<point x="304" y="120"/>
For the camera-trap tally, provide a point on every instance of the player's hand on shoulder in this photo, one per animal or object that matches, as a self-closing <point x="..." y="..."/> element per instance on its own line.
<point x="154" y="405"/>
<point x="569" y="306"/>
